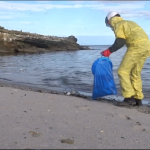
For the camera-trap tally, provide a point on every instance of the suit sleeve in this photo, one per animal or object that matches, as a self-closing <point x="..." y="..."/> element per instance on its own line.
<point x="119" y="43"/>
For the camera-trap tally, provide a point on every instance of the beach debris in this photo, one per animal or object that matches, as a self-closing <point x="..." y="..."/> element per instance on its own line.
<point x="144" y="129"/>
<point x="68" y="93"/>
<point x="67" y="141"/>
<point x="128" y="118"/>
<point x="34" y="134"/>
<point x="72" y="92"/>
<point x="54" y="92"/>
<point x="101" y="131"/>
<point x="138" y="123"/>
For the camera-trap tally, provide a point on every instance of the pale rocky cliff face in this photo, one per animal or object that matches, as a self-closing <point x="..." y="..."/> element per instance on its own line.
<point x="18" y="41"/>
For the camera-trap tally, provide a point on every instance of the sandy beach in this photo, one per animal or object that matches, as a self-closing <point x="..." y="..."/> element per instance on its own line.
<point x="38" y="120"/>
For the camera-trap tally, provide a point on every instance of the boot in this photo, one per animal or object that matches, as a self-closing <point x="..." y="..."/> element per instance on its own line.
<point x="138" y="102"/>
<point x="127" y="102"/>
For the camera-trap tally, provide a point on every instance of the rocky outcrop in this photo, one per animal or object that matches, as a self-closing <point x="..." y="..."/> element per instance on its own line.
<point x="18" y="41"/>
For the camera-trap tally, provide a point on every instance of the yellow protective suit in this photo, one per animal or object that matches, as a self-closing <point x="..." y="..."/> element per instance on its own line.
<point x="138" y="49"/>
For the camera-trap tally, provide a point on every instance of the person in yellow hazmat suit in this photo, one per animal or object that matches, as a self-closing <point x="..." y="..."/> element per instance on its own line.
<point x="137" y="42"/>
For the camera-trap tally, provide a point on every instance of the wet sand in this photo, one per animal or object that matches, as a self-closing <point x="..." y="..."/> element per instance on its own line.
<point x="37" y="119"/>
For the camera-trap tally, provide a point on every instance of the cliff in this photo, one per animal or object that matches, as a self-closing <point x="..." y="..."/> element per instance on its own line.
<point x="18" y="41"/>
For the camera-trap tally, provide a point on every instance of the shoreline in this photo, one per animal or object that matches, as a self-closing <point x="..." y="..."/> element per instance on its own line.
<point x="145" y="108"/>
<point x="38" y="120"/>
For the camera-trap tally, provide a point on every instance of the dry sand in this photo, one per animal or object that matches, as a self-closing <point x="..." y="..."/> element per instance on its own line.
<point x="34" y="120"/>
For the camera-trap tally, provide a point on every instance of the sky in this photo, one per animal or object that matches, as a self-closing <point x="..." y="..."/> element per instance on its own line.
<point x="83" y="19"/>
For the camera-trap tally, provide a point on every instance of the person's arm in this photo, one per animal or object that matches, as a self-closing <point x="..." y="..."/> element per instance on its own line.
<point x="119" y="43"/>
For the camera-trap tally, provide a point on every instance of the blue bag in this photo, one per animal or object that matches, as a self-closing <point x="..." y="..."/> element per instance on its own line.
<point x="103" y="78"/>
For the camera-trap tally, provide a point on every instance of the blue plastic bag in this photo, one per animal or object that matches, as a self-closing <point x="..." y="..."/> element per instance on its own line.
<point x="103" y="78"/>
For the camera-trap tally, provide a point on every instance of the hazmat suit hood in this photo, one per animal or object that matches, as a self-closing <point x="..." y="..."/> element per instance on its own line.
<point x="115" y="20"/>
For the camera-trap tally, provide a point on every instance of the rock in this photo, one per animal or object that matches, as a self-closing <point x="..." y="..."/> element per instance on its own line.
<point x="67" y="141"/>
<point x="65" y="92"/>
<point x="18" y="41"/>
<point x="144" y="129"/>
<point x="74" y="92"/>
<point x="72" y="38"/>
<point x="54" y="92"/>
<point x="34" y="134"/>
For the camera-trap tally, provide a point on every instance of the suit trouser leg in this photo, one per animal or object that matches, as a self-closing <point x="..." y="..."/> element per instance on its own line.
<point x="129" y="73"/>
